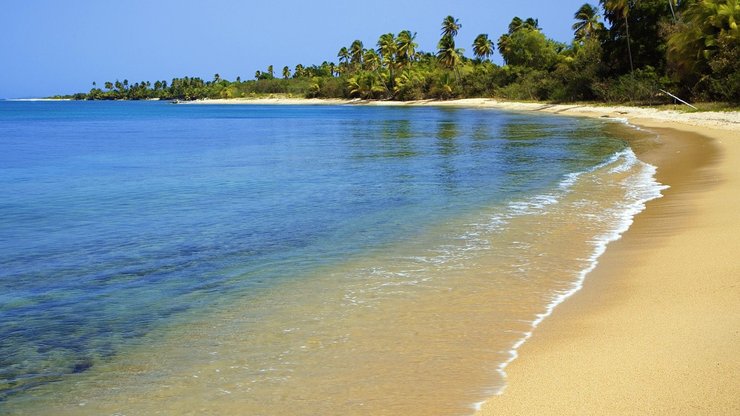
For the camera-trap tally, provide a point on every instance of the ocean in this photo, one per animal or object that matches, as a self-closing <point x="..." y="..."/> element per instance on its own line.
<point x="302" y="260"/>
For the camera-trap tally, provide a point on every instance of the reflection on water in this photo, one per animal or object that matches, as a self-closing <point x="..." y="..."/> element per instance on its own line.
<point x="447" y="134"/>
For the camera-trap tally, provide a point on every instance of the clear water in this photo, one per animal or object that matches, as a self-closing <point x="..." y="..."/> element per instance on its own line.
<point x="124" y="225"/>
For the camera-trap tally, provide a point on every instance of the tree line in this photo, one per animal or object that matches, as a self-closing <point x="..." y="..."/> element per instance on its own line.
<point x="622" y="51"/>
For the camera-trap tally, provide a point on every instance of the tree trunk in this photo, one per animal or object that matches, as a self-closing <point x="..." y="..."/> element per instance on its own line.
<point x="629" y="48"/>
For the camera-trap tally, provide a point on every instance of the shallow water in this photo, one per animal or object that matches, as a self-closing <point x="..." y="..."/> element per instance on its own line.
<point x="161" y="259"/>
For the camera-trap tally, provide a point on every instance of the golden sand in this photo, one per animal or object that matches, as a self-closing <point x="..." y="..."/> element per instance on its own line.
<point x="655" y="330"/>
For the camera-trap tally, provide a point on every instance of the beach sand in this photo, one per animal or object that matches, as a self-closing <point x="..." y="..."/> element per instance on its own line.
<point x="722" y="120"/>
<point x="656" y="328"/>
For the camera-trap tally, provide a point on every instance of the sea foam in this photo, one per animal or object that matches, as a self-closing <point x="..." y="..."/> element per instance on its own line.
<point x="641" y="187"/>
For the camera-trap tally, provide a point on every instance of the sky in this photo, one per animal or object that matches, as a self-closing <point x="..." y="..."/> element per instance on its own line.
<point x="52" y="47"/>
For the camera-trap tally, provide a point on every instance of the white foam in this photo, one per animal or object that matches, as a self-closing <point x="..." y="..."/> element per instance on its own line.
<point x="642" y="187"/>
<point x="467" y="245"/>
<point x="536" y="203"/>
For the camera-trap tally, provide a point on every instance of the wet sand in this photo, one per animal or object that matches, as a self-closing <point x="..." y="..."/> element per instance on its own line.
<point x="655" y="329"/>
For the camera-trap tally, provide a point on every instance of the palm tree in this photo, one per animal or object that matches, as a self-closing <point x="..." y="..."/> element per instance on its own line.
<point x="446" y="87"/>
<point x="286" y="72"/>
<point x="450" y="26"/>
<point x="329" y="66"/>
<point x="367" y="85"/>
<point x="343" y="55"/>
<point x="216" y="78"/>
<point x="517" y="23"/>
<point x="705" y="24"/>
<point x="405" y="47"/>
<point x="482" y="47"/>
<point x="370" y="60"/>
<point x="387" y="49"/>
<point x="406" y="82"/>
<point x="448" y="55"/>
<point x="587" y="23"/>
<point x="271" y="71"/>
<point x="621" y="8"/>
<point x="299" y="71"/>
<point x="356" y="50"/>
<point x="108" y="85"/>
<point x="532" y="23"/>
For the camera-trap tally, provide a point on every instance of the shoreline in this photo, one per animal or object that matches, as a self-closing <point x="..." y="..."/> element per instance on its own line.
<point x="715" y="119"/>
<point x="643" y="335"/>
<point x="653" y="329"/>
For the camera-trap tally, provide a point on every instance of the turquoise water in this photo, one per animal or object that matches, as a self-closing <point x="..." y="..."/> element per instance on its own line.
<point x="118" y="219"/>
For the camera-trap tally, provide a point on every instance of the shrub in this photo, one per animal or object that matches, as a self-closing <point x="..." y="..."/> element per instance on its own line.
<point x="641" y="87"/>
<point x="723" y="83"/>
<point x="531" y="85"/>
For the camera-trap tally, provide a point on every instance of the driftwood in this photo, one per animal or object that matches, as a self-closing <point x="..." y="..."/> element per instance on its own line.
<point x="666" y="92"/>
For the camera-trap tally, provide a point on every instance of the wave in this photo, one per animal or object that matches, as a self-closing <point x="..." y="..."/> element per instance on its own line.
<point x="641" y="187"/>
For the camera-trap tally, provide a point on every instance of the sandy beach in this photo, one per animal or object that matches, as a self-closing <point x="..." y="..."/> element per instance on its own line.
<point x="721" y="120"/>
<point x="655" y="329"/>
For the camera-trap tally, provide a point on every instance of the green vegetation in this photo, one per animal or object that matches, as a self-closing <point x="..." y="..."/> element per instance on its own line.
<point x="688" y="47"/>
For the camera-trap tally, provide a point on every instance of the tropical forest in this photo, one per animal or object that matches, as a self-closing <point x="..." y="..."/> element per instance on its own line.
<point x="622" y="51"/>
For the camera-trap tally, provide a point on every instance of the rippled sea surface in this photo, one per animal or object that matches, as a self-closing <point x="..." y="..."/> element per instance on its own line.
<point x="272" y="260"/>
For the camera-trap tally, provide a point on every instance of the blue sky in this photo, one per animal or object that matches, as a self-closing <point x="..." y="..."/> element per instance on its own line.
<point x="55" y="47"/>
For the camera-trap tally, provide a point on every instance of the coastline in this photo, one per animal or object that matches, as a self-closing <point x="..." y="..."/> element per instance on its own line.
<point x="721" y="120"/>
<point x="654" y="328"/>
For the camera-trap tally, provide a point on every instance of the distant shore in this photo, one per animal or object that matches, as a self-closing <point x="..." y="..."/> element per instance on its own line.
<point x="714" y="119"/>
<point x="723" y="120"/>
